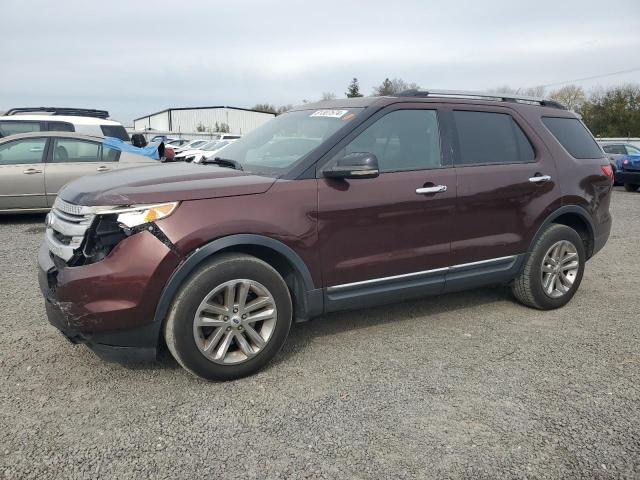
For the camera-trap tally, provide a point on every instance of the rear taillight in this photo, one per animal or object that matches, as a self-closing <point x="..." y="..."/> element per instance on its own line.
<point x="607" y="170"/>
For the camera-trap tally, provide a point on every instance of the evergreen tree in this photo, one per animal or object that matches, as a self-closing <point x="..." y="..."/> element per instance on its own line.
<point x="354" y="89"/>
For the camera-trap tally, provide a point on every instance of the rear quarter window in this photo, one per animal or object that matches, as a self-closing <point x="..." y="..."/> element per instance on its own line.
<point x="14" y="127"/>
<point x="115" y="131"/>
<point x="573" y="136"/>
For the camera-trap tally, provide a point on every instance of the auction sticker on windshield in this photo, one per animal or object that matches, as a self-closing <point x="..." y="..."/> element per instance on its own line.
<point x="329" y="113"/>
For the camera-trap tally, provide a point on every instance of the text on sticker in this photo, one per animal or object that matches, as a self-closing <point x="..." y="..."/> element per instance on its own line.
<point x="329" y="113"/>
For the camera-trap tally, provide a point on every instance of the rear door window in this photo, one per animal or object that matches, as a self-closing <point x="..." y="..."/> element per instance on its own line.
<point x="14" y="127"/>
<point x="73" y="150"/>
<point x="28" y="150"/>
<point x="488" y="138"/>
<point x="115" y="131"/>
<point x="573" y="136"/>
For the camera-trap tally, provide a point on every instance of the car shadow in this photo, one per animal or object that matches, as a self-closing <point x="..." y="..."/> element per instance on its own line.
<point x="302" y="334"/>
<point x="23" y="218"/>
<point x="350" y="320"/>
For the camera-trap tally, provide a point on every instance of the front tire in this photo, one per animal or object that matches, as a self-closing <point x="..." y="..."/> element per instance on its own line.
<point x="631" y="187"/>
<point x="230" y="318"/>
<point x="553" y="270"/>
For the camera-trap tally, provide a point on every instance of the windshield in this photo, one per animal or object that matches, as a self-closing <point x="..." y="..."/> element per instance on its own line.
<point x="214" y="145"/>
<point x="208" y="145"/>
<point x="281" y="142"/>
<point x="217" y="145"/>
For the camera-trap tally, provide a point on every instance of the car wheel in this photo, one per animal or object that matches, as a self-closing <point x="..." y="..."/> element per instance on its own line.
<point x="630" y="187"/>
<point x="229" y="318"/>
<point x="553" y="270"/>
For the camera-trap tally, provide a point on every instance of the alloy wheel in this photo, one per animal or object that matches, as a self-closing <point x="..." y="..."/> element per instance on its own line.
<point x="235" y="321"/>
<point x="559" y="270"/>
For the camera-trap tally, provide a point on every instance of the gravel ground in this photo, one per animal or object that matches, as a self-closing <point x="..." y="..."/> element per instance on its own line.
<point x="468" y="385"/>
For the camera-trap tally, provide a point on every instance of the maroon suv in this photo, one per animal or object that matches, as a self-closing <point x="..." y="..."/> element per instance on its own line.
<point x="335" y="205"/>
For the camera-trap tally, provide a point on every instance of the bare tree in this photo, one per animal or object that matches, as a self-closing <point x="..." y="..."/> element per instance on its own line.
<point x="571" y="96"/>
<point x="265" y="107"/>
<point x="283" y="108"/>
<point x="537" y="92"/>
<point x="328" y="96"/>
<point x="502" y="89"/>
<point x="393" y="87"/>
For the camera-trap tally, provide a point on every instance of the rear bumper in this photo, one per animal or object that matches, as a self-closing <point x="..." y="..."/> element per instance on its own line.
<point x="626" y="176"/>
<point x="110" y="305"/>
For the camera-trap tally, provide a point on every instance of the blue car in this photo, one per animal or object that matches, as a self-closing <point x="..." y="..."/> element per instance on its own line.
<point x="625" y="161"/>
<point x="628" y="172"/>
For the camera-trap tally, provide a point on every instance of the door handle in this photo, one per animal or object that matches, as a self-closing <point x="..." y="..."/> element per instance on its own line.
<point x="31" y="171"/>
<point x="540" y="178"/>
<point x="434" y="189"/>
<point x="102" y="168"/>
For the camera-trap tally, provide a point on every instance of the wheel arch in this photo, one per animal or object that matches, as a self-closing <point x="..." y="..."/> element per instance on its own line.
<point x="280" y="256"/>
<point x="574" y="217"/>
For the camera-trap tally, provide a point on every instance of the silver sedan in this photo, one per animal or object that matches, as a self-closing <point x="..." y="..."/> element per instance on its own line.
<point x="35" y="166"/>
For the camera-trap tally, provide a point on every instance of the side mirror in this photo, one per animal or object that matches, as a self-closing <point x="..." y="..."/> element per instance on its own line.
<point x="354" y="165"/>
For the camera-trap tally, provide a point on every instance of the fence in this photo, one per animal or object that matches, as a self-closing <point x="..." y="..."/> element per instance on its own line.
<point x="149" y="134"/>
<point x="632" y="140"/>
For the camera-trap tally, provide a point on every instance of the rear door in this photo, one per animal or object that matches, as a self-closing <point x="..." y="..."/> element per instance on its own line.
<point x="22" y="174"/>
<point x="507" y="182"/>
<point x="387" y="236"/>
<point x="71" y="158"/>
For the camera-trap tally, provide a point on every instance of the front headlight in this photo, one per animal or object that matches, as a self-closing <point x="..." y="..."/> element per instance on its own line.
<point x="140" y="214"/>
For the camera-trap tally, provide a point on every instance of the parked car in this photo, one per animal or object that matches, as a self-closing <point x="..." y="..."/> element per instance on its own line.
<point x="615" y="151"/>
<point x="227" y="136"/>
<point x="53" y="119"/>
<point x="162" y="138"/>
<point x="177" y="143"/>
<point x="192" y="145"/>
<point x="190" y="154"/>
<point x="628" y="172"/>
<point x="34" y="166"/>
<point x="211" y="152"/>
<point x="336" y="205"/>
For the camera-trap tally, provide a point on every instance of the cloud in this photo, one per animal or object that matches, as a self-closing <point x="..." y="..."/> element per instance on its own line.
<point x="133" y="58"/>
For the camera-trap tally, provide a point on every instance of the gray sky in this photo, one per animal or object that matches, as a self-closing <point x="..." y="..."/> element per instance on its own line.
<point x="134" y="58"/>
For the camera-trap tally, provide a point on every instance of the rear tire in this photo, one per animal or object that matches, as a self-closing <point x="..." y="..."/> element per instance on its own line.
<point x="546" y="282"/>
<point x="211" y="328"/>
<point x="631" y="187"/>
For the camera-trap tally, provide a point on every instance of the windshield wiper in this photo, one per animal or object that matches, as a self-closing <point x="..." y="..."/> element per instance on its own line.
<point x="224" y="162"/>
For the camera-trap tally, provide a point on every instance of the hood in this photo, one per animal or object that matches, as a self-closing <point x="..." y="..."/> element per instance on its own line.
<point x="163" y="183"/>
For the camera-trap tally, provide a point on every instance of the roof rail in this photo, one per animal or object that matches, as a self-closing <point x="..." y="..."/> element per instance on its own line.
<point x="76" y="112"/>
<point x="498" y="97"/>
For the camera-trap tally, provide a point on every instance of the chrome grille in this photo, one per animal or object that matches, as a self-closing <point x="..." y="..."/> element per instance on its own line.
<point x="67" y="225"/>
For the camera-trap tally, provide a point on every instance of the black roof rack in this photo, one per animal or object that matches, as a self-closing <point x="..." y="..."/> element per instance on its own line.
<point x="76" y="112"/>
<point x="499" y="97"/>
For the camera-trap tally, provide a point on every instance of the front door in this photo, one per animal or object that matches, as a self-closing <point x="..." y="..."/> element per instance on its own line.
<point x="388" y="237"/>
<point x="22" y="174"/>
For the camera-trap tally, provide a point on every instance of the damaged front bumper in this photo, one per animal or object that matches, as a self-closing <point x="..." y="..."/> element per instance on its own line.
<point x="109" y="305"/>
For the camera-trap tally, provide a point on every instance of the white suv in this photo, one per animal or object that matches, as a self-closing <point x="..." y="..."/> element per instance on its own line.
<point x="84" y="121"/>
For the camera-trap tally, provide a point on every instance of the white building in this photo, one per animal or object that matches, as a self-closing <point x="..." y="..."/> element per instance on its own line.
<point x="190" y="120"/>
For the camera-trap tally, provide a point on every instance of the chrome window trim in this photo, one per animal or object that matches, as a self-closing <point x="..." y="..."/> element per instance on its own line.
<point x="345" y="286"/>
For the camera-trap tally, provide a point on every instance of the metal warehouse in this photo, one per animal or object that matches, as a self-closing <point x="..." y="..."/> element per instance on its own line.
<point x="195" y="119"/>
